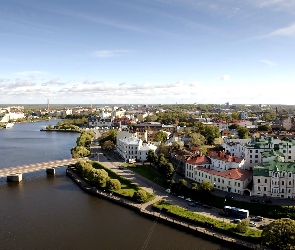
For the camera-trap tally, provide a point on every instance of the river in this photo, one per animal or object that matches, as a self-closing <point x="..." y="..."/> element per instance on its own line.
<point x="51" y="212"/>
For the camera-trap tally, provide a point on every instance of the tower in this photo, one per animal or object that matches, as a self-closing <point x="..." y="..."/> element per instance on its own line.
<point x="48" y="106"/>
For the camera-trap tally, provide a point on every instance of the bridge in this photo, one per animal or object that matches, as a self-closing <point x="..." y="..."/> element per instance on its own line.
<point x="15" y="173"/>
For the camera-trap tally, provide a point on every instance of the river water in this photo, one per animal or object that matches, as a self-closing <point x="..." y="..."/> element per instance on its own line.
<point x="51" y="212"/>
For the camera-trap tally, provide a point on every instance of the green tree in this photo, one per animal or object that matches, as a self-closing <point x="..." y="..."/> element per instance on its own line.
<point x="161" y="136"/>
<point x="242" y="226"/>
<point x="49" y="127"/>
<point x="79" y="152"/>
<point x="206" y="186"/>
<point x="140" y="196"/>
<point x="151" y="157"/>
<point x="108" y="145"/>
<point x="265" y="127"/>
<point x="210" y="133"/>
<point x="235" y="115"/>
<point x="197" y="139"/>
<point x="195" y="186"/>
<point x="279" y="234"/>
<point x="243" y="133"/>
<point x="113" y="184"/>
<point x="100" y="177"/>
<point x="163" y="149"/>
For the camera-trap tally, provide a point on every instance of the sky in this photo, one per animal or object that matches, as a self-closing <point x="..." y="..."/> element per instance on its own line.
<point x="147" y="51"/>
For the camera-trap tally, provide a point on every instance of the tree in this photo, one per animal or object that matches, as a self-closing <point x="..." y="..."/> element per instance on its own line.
<point x="151" y="157"/>
<point x="108" y="145"/>
<point x="168" y="169"/>
<point x="79" y="152"/>
<point x="197" y="139"/>
<point x="206" y="186"/>
<point x="161" y="136"/>
<point x="140" y="196"/>
<point x="210" y="133"/>
<point x="100" y="177"/>
<point x="279" y="234"/>
<point x="195" y="186"/>
<point x="243" y="226"/>
<point x="163" y="149"/>
<point x="243" y="133"/>
<point x="235" y="115"/>
<point x="49" y="127"/>
<point x="113" y="184"/>
<point x="265" y="127"/>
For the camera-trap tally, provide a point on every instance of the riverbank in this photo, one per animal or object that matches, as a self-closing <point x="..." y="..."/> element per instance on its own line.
<point x="60" y="130"/>
<point x="158" y="217"/>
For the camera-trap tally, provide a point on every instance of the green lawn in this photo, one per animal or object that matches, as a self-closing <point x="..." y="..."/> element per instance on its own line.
<point x="202" y="220"/>
<point x="127" y="187"/>
<point x="147" y="172"/>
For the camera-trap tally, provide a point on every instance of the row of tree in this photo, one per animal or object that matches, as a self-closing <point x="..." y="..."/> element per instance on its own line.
<point x="164" y="167"/>
<point x="108" y="139"/>
<point x="97" y="177"/>
<point x="83" y="145"/>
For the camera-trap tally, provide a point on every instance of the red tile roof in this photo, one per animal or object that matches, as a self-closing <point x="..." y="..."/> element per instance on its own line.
<point x="235" y="174"/>
<point x="223" y="157"/>
<point x="198" y="160"/>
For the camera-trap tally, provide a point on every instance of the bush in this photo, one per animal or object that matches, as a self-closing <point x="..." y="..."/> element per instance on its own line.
<point x="242" y="226"/>
<point x="113" y="184"/>
<point x="140" y="196"/>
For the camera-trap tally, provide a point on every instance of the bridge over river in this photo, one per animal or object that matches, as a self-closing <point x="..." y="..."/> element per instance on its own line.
<point x="15" y="173"/>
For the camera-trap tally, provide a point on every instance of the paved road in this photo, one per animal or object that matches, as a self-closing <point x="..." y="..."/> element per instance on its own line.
<point x="113" y="161"/>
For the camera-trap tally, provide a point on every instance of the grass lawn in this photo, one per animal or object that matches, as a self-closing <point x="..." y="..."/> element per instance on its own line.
<point x="201" y="219"/>
<point x="127" y="187"/>
<point x="147" y="172"/>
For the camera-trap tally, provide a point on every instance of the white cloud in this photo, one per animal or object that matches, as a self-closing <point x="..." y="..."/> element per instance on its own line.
<point x="286" y="31"/>
<point x="225" y="77"/>
<point x="269" y="63"/>
<point x="110" y="53"/>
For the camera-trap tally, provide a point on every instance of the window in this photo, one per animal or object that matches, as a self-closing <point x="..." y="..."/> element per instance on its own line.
<point x="264" y="188"/>
<point x="290" y="174"/>
<point x="256" y="151"/>
<point x="239" y="184"/>
<point x="258" y="180"/>
<point x="256" y="161"/>
<point x="228" y="182"/>
<point x="256" y="156"/>
<point x="290" y="183"/>
<point x="250" y="161"/>
<point x="250" y="156"/>
<point x="265" y="180"/>
<point x="289" y="157"/>
<point x="250" y="151"/>
<point x="283" y="190"/>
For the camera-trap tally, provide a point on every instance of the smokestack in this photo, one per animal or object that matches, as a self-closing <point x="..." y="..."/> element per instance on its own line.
<point x="48" y="105"/>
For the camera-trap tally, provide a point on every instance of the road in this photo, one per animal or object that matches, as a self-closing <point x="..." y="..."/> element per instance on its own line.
<point x="113" y="161"/>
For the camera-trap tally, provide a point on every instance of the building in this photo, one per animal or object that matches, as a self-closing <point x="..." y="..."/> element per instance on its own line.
<point x="132" y="148"/>
<point x="96" y="121"/>
<point x="274" y="178"/>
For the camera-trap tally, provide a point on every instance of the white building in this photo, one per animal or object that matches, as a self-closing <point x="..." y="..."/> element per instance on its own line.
<point x="96" y="121"/>
<point x="133" y="148"/>
<point x="234" y="180"/>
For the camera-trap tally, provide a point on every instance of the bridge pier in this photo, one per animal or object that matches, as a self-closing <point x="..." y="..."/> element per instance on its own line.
<point x="50" y="170"/>
<point x="16" y="177"/>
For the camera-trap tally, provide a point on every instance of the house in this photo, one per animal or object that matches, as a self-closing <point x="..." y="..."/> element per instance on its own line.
<point x="97" y="121"/>
<point x="134" y="149"/>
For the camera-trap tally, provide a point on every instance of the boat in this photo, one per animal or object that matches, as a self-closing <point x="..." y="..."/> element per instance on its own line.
<point x="9" y="125"/>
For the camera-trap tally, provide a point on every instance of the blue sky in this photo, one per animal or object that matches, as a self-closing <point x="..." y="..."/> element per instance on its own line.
<point x="147" y="51"/>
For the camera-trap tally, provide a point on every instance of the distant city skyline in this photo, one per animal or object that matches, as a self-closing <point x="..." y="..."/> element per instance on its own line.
<point x="139" y="51"/>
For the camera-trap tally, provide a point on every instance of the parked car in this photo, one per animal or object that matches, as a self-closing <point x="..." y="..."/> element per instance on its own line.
<point x="189" y="199"/>
<point x="267" y="201"/>
<point x="207" y="206"/>
<point x="168" y="190"/>
<point x="236" y="220"/>
<point x="262" y="226"/>
<point x="257" y="218"/>
<point x="199" y="203"/>
<point x="192" y="204"/>
<point x="229" y="197"/>
<point x="254" y="200"/>
<point x="181" y="196"/>
<point x="252" y="224"/>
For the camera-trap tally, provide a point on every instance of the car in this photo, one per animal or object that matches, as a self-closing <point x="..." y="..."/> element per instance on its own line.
<point x="189" y="199"/>
<point x="168" y="190"/>
<point x="236" y="220"/>
<point x="181" y="196"/>
<point x="254" y="200"/>
<point x="267" y="201"/>
<point x="222" y="213"/>
<point x="229" y="197"/>
<point x="252" y="224"/>
<point x="257" y="218"/>
<point x="192" y="204"/>
<point x="262" y="226"/>
<point x="207" y="206"/>
<point x="198" y="203"/>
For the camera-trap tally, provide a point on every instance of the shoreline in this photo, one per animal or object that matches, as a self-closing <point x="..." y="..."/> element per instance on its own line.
<point x="155" y="216"/>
